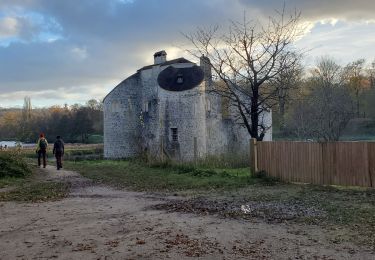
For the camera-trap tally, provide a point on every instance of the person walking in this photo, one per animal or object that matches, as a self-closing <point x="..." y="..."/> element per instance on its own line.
<point x="41" y="149"/>
<point x="58" y="151"/>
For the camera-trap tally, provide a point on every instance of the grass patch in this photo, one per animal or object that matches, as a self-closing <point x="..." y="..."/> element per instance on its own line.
<point x="11" y="181"/>
<point x="349" y="213"/>
<point x="18" y="184"/>
<point x="13" y="165"/>
<point x="165" y="178"/>
<point x="36" y="192"/>
<point x="72" y="152"/>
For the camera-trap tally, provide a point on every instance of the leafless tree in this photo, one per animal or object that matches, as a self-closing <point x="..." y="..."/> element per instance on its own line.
<point x="327" y="73"/>
<point x="325" y="111"/>
<point x="246" y="59"/>
<point x="355" y="80"/>
<point x="287" y="85"/>
<point x="371" y="74"/>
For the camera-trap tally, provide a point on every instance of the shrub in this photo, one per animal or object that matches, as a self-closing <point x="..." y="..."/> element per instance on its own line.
<point x="12" y="165"/>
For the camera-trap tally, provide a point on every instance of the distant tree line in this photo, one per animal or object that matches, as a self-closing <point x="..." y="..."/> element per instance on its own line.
<point x="74" y="123"/>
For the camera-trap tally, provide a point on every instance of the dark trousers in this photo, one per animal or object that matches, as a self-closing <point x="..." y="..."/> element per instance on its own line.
<point x="42" y="154"/>
<point x="58" y="156"/>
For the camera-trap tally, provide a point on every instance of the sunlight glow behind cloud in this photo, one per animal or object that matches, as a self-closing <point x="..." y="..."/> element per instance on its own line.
<point x="66" y="52"/>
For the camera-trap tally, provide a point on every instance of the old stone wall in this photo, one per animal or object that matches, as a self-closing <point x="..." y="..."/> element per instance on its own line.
<point x="121" y="119"/>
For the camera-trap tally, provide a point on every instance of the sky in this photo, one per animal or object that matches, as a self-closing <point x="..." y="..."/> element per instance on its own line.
<point x="69" y="51"/>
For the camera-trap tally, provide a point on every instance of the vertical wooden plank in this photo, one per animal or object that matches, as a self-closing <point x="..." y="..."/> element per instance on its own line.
<point x="371" y="162"/>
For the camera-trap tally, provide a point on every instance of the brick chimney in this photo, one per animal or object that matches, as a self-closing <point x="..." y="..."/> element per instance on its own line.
<point x="160" y="57"/>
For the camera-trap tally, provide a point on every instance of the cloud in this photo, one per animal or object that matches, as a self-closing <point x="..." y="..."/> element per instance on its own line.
<point x="319" y="9"/>
<point x="62" y="49"/>
<point x="8" y="27"/>
<point x="16" y="27"/>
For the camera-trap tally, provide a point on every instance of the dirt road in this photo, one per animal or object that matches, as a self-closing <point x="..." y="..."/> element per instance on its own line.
<point x="99" y="222"/>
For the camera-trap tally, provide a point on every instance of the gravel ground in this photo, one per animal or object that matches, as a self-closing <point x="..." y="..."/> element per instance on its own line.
<point x="99" y="222"/>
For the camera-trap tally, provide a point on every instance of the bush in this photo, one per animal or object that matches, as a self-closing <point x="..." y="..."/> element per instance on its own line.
<point x="12" y="165"/>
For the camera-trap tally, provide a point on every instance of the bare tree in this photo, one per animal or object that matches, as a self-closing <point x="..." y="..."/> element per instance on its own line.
<point x="354" y="75"/>
<point x="327" y="73"/>
<point x="287" y="85"/>
<point x="325" y="111"/>
<point x="371" y="74"/>
<point x="246" y="59"/>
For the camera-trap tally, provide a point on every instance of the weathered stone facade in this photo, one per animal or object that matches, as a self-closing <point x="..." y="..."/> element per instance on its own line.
<point x="171" y="114"/>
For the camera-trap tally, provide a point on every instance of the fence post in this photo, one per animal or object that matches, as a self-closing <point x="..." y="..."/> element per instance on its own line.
<point x="253" y="156"/>
<point x="369" y="158"/>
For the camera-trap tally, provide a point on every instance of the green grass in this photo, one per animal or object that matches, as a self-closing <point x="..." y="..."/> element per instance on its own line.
<point x="164" y="178"/>
<point x="349" y="213"/>
<point x="11" y="181"/>
<point x="95" y="139"/>
<point x="13" y="165"/>
<point x="18" y="183"/>
<point x="36" y="192"/>
<point x="71" y="153"/>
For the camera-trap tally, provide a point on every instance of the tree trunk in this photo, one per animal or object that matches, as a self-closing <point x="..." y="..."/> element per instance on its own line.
<point x="254" y="115"/>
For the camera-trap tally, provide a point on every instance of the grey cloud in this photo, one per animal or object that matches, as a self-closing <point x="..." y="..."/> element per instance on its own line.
<point x="103" y="41"/>
<point x="100" y="41"/>
<point x="14" y="26"/>
<point x="319" y="9"/>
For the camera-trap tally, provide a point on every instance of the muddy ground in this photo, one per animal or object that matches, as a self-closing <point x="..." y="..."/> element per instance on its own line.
<point x="100" y="222"/>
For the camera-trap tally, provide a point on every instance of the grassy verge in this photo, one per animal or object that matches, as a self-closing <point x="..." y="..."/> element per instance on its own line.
<point x="36" y="192"/>
<point x="17" y="182"/>
<point x="162" y="177"/>
<point x="347" y="214"/>
<point x="83" y="152"/>
<point x="13" y="165"/>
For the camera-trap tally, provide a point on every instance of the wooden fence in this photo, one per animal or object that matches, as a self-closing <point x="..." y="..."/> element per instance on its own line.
<point x="332" y="163"/>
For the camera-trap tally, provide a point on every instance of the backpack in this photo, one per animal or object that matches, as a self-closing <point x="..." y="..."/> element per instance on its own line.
<point x="43" y="144"/>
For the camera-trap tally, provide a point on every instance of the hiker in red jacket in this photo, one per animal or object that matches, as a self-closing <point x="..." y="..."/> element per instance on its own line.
<point x="41" y="149"/>
<point x="58" y="151"/>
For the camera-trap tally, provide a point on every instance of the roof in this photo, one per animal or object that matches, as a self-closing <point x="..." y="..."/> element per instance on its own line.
<point x="179" y="60"/>
<point x="118" y="85"/>
<point x="179" y="79"/>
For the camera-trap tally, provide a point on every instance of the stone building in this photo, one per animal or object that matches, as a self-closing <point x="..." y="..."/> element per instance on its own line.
<point x="164" y="110"/>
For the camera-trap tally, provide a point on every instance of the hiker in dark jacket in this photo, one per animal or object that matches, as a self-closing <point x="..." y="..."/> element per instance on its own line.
<point x="41" y="149"/>
<point x="58" y="151"/>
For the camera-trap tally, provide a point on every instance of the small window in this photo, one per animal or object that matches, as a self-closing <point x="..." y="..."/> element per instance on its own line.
<point x="146" y="106"/>
<point x="208" y="105"/>
<point x="130" y="104"/>
<point x="180" y="79"/>
<point x="225" y="108"/>
<point x="115" y="106"/>
<point x="174" y="132"/>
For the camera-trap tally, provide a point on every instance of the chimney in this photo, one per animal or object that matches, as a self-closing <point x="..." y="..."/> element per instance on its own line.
<point x="205" y="64"/>
<point x="160" y="57"/>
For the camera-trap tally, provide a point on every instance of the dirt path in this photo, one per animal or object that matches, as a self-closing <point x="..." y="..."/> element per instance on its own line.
<point x="99" y="222"/>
